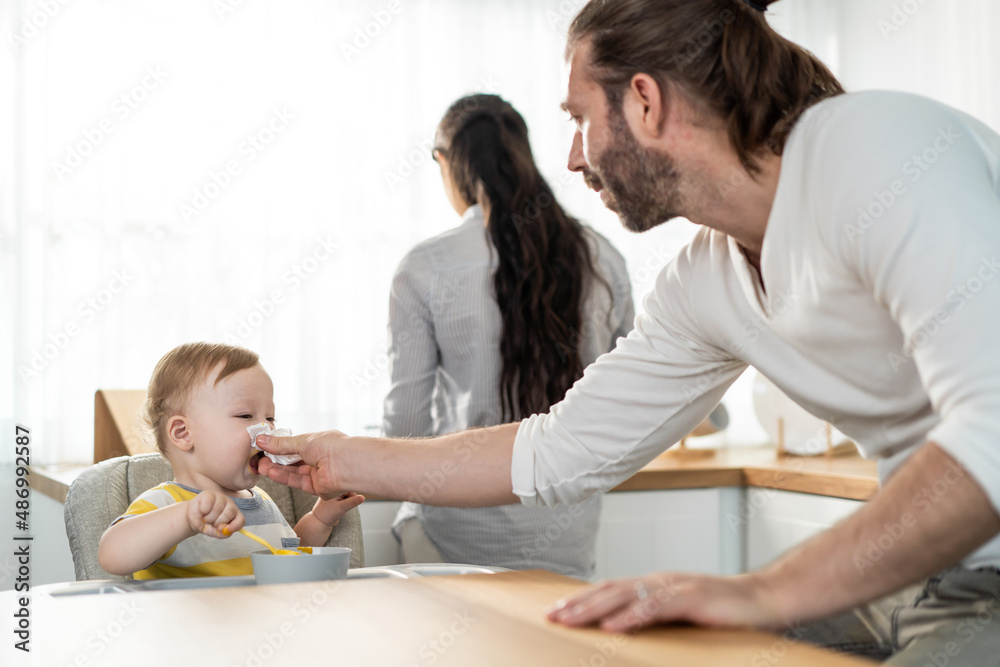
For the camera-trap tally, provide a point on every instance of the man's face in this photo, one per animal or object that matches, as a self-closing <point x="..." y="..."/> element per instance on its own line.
<point x="638" y="183"/>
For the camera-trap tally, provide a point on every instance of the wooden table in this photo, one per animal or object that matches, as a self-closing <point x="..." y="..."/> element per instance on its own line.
<point x="470" y="620"/>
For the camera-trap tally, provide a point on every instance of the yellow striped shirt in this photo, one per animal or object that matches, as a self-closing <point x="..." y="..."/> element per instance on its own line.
<point x="204" y="556"/>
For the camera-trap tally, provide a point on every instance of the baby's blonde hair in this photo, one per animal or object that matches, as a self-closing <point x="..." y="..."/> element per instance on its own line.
<point x="179" y="372"/>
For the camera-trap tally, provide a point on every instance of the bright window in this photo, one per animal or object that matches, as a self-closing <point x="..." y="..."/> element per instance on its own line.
<point x="253" y="171"/>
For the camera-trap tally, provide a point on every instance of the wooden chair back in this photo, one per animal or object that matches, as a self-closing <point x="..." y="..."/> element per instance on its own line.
<point x="118" y="429"/>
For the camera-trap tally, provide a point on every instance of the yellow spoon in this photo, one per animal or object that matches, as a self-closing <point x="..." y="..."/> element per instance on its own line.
<point x="257" y="538"/>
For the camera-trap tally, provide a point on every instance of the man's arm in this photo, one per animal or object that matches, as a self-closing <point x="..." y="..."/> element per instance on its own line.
<point x="928" y="516"/>
<point x="632" y="403"/>
<point x="465" y="469"/>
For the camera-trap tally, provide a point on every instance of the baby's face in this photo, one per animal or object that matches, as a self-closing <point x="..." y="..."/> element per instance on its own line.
<point x="219" y="415"/>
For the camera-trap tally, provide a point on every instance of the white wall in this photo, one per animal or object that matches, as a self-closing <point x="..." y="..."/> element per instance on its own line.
<point x="8" y="568"/>
<point x="946" y="50"/>
<point x="51" y="560"/>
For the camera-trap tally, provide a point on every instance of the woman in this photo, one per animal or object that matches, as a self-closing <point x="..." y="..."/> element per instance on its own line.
<point x="491" y="322"/>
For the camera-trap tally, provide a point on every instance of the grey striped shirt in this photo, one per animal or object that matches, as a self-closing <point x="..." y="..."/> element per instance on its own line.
<point x="444" y="341"/>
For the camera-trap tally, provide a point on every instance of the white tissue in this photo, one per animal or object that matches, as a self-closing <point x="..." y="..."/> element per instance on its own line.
<point x="264" y="428"/>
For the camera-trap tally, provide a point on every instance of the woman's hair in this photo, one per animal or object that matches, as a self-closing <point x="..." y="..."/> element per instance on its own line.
<point x="178" y="373"/>
<point x="544" y="265"/>
<point x="721" y="53"/>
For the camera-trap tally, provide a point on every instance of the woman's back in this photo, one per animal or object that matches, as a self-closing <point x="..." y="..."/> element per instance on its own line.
<point x="445" y="329"/>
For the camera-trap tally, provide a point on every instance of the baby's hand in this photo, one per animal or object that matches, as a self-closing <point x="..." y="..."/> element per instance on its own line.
<point x="330" y="511"/>
<point x="214" y="514"/>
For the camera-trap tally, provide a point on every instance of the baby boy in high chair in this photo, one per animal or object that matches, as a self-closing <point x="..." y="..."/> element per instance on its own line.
<point x="200" y="401"/>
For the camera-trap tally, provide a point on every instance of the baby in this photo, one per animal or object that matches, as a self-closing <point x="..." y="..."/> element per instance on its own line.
<point x="200" y="401"/>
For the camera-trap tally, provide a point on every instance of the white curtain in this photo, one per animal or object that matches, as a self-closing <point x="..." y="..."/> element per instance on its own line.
<point x="944" y="50"/>
<point x="253" y="170"/>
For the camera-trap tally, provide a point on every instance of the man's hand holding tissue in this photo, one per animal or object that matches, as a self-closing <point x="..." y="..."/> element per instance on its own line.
<point x="317" y="473"/>
<point x="463" y="469"/>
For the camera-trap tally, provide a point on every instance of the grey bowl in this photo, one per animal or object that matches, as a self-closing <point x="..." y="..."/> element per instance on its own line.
<point x="322" y="564"/>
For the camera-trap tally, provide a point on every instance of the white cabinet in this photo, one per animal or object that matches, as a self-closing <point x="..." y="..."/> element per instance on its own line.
<point x="639" y="532"/>
<point x="51" y="559"/>
<point x="679" y="530"/>
<point x="778" y="520"/>
<point x="381" y="548"/>
<point x="714" y="531"/>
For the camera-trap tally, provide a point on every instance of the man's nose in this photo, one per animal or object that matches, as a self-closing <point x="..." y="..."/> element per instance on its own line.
<point x="576" y="159"/>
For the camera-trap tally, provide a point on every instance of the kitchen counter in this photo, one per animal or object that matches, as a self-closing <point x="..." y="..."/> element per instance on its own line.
<point x="464" y="620"/>
<point x="850" y="477"/>
<point x="845" y="476"/>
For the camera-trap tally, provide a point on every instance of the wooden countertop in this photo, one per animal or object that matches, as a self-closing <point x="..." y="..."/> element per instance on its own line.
<point x="849" y="477"/>
<point x="480" y="620"/>
<point x="54" y="481"/>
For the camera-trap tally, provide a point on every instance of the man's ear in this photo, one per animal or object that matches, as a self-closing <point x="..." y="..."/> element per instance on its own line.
<point x="644" y="107"/>
<point x="178" y="433"/>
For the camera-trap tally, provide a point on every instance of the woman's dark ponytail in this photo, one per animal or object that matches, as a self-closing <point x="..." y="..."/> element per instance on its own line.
<point x="544" y="265"/>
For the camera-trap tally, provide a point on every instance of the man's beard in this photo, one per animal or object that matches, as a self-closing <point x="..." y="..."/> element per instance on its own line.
<point x="642" y="184"/>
